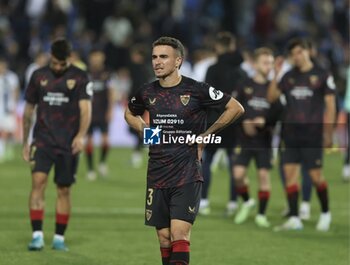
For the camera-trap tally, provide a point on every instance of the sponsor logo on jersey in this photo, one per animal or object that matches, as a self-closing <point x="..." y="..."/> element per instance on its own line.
<point x="55" y="98"/>
<point x="70" y="83"/>
<point x="301" y="92"/>
<point x="152" y="101"/>
<point x="185" y="99"/>
<point x="258" y="103"/>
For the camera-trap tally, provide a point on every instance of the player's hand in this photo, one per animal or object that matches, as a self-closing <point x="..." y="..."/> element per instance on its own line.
<point x="200" y="149"/>
<point x="26" y="152"/>
<point x="249" y="128"/>
<point x="77" y="144"/>
<point x="278" y="64"/>
<point x="259" y="122"/>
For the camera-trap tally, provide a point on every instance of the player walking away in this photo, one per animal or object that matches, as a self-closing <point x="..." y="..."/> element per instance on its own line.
<point x="175" y="104"/>
<point x="309" y="92"/>
<point x="60" y="93"/>
<point x="254" y="137"/>
<point x="9" y="92"/>
<point x="224" y="74"/>
<point x="102" y="108"/>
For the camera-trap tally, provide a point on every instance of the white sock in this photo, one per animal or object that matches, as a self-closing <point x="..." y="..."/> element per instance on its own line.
<point x="38" y="234"/>
<point x="232" y="204"/>
<point x="204" y="203"/>
<point x="58" y="237"/>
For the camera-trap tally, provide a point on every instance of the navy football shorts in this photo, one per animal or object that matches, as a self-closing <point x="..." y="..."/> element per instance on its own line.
<point x="42" y="160"/>
<point x="164" y="205"/>
<point x="262" y="157"/>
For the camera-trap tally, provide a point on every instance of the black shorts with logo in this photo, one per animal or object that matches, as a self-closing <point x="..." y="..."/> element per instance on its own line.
<point x="262" y="157"/>
<point x="310" y="157"/>
<point x="101" y="125"/>
<point x="42" y="160"/>
<point x="163" y="205"/>
<point x="309" y="153"/>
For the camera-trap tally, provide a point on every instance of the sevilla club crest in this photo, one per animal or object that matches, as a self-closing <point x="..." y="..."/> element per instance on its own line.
<point x="314" y="80"/>
<point x="71" y="84"/>
<point x="148" y="214"/>
<point x="43" y="82"/>
<point x="185" y="99"/>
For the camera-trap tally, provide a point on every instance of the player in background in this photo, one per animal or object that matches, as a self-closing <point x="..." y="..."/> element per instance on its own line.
<point x="59" y="94"/>
<point x="224" y="74"/>
<point x="40" y="60"/>
<point x="140" y="73"/>
<point x="254" y="137"/>
<point x="9" y="93"/>
<point x="306" y="182"/>
<point x="174" y="177"/>
<point x="102" y="109"/>
<point x="309" y="92"/>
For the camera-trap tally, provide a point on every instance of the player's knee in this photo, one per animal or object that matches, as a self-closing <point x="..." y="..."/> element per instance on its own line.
<point x="63" y="191"/>
<point x="164" y="238"/>
<point x="238" y="176"/>
<point x="180" y="234"/>
<point x="39" y="185"/>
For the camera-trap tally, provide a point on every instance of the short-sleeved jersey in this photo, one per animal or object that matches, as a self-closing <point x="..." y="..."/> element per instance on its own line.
<point x="253" y="97"/>
<point x="100" y="101"/>
<point x="57" y="98"/>
<point x="178" y="111"/>
<point x="304" y="93"/>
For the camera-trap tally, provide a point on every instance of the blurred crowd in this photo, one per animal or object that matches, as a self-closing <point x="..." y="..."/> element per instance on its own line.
<point x="27" y="28"/>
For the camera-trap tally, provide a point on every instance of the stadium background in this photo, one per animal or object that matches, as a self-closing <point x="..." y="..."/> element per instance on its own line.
<point x="111" y="210"/>
<point x="28" y="26"/>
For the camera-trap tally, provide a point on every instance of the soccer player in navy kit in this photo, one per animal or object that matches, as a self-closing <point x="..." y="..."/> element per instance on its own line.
<point x="102" y="108"/>
<point x="60" y="93"/>
<point x="307" y="128"/>
<point x="254" y="137"/>
<point x="174" y="179"/>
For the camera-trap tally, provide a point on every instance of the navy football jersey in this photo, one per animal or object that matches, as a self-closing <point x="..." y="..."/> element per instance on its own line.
<point x="253" y="97"/>
<point x="178" y="111"/>
<point x="305" y="104"/>
<point x="57" y="98"/>
<point x="100" y="101"/>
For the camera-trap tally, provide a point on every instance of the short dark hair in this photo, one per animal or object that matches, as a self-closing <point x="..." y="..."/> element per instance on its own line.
<point x="169" y="41"/>
<point x="225" y="39"/>
<point x="262" y="51"/>
<point x="297" y="42"/>
<point x="61" y="49"/>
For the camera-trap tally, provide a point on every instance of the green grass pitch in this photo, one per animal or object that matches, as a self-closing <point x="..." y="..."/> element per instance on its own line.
<point x="107" y="228"/>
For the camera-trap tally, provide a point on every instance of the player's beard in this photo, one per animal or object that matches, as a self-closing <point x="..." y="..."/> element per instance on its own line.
<point x="165" y="75"/>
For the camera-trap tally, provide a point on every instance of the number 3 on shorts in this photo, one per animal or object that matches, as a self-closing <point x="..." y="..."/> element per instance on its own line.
<point x="150" y="197"/>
